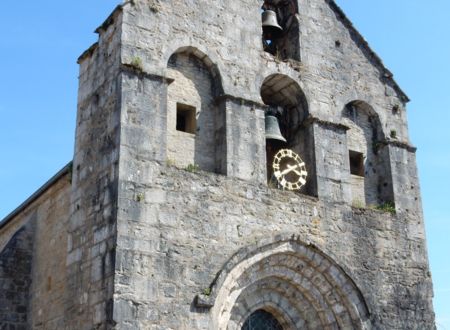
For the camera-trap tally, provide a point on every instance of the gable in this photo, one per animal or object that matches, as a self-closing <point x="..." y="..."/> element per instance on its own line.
<point x="367" y="50"/>
<point x="332" y="46"/>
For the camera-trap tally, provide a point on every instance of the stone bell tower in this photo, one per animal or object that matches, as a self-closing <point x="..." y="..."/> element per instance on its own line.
<point x="173" y="221"/>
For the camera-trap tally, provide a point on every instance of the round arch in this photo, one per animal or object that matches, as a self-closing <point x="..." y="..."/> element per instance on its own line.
<point x="196" y="134"/>
<point x="297" y="283"/>
<point x="206" y="61"/>
<point x="288" y="103"/>
<point x="371" y="179"/>
<point x="281" y="90"/>
<point x="355" y="107"/>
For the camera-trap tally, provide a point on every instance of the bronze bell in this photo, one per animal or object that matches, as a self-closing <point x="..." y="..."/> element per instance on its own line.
<point x="273" y="129"/>
<point x="270" y="25"/>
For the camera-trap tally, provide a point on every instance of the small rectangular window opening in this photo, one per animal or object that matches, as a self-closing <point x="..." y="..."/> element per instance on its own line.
<point x="186" y="121"/>
<point x="356" y="163"/>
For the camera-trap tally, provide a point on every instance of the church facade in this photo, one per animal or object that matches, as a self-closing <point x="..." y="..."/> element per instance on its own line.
<point x="238" y="165"/>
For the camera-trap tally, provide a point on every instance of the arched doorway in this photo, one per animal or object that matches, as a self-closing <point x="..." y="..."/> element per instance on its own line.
<point x="261" y="320"/>
<point x="298" y="285"/>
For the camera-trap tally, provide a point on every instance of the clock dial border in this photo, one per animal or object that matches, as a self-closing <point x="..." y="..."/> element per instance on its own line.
<point x="298" y="168"/>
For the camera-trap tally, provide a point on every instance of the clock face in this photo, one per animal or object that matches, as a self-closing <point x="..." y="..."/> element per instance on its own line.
<point x="289" y="169"/>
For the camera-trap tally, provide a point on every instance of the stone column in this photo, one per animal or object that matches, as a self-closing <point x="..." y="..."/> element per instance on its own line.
<point x="143" y="115"/>
<point x="245" y="139"/>
<point x="406" y="181"/>
<point x="332" y="161"/>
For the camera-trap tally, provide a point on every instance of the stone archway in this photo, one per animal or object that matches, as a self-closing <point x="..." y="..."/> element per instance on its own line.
<point x="287" y="101"/>
<point x="298" y="284"/>
<point x="196" y="134"/>
<point x="370" y="170"/>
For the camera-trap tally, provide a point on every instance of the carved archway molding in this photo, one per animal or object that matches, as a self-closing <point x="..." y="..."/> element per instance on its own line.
<point x="296" y="282"/>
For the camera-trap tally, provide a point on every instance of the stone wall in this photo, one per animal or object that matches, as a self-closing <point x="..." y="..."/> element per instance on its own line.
<point x="34" y="260"/>
<point x="188" y="225"/>
<point x="333" y="63"/>
<point x="153" y="245"/>
<point x="330" y="76"/>
<point x="48" y="289"/>
<point x="176" y="229"/>
<point x="15" y="279"/>
<point x="91" y="229"/>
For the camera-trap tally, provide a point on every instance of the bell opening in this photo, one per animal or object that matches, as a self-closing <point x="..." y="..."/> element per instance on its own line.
<point x="281" y="29"/>
<point x="271" y="28"/>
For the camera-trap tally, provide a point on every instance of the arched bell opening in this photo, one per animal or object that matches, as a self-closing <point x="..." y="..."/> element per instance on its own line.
<point x="196" y="131"/>
<point x="281" y="29"/>
<point x="369" y="163"/>
<point x="286" y="128"/>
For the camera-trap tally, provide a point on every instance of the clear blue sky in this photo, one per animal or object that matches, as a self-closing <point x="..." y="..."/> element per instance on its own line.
<point x="41" y="40"/>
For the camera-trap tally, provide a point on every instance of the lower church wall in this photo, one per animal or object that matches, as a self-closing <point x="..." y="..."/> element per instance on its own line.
<point x="177" y="231"/>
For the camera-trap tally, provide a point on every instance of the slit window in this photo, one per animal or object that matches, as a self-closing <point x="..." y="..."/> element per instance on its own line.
<point x="356" y="163"/>
<point x="186" y="121"/>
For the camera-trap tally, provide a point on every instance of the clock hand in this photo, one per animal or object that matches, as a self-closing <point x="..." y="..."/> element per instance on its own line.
<point x="290" y="169"/>
<point x="286" y="171"/>
<point x="297" y="172"/>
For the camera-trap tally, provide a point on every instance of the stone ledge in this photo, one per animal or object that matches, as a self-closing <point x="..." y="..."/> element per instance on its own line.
<point x="239" y="100"/>
<point x="310" y="120"/>
<point x="401" y="145"/>
<point x="134" y="69"/>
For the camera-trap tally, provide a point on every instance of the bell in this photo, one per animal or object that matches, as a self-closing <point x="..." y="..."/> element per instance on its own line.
<point x="273" y="129"/>
<point x="270" y="25"/>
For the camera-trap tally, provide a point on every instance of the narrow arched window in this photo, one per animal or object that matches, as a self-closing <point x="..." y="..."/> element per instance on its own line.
<point x="369" y="165"/>
<point x="261" y="320"/>
<point x="196" y="133"/>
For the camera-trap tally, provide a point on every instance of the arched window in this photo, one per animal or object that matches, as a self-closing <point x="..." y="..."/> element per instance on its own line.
<point x="196" y="135"/>
<point x="261" y="320"/>
<point x="370" y="174"/>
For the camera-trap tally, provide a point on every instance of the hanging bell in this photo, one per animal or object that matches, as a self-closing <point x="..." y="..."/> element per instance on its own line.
<point x="271" y="28"/>
<point x="273" y="129"/>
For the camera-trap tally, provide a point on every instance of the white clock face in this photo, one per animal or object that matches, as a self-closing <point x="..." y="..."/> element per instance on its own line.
<point x="289" y="169"/>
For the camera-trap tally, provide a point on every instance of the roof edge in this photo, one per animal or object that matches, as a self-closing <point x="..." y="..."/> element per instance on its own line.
<point x="87" y="53"/>
<point x="386" y="73"/>
<point x="61" y="173"/>
<point x="103" y="27"/>
<point x="109" y="20"/>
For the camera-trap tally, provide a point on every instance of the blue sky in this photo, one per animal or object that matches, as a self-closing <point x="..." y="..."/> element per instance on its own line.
<point x="41" y="40"/>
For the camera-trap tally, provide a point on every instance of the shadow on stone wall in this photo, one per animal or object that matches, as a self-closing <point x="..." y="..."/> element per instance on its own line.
<point x="15" y="279"/>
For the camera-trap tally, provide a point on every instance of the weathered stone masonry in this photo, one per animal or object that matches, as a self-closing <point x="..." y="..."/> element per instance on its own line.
<point x="166" y="228"/>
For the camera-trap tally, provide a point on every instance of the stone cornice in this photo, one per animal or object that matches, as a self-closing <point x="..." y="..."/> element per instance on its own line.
<point x="239" y="100"/>
<point x="399" y="144"/>
<point x="138" y="71"/>
<point x="310" y="120"/>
